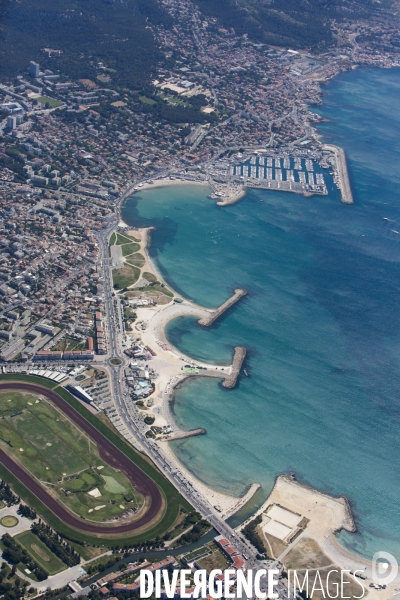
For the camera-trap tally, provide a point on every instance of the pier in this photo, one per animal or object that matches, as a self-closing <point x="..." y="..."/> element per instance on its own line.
<point x="237" y="363"/>
<point x="209" y="320"/>
<point x="342" y="173"/>
<point x="181" y="435"/>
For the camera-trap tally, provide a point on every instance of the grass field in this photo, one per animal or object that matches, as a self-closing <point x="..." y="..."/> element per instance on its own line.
<point x="118" y="239"/>
<point x="216" y="560"/>
<point x="158" y="288"/>
<point x="126" y="276"/>
<point x="124" y="238"/>
<point x="130" y="272"/>
<point x="137" y="260"/>
<point x="145" y="100"/>
<point x="174" y="501"/>
<point x="50" y="101"/>
<point x="151" y="278"/>
<point x="59" y="453"/>
<point x="40" y="552"/>
<point x="69" y="343"/>
<point x="130" y="248"/>
<point x="9" y="521"/>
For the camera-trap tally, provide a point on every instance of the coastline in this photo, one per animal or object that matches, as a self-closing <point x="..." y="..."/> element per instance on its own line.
<point x="331" y="545"/>
<point x="169" y="362"/>
<point x="166" y="181"/>
<point x="326" y="515"/>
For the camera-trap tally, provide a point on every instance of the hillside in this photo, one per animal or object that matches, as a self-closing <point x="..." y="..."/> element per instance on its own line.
<point x="293" y="23"/>
<point x="86" y="31"/>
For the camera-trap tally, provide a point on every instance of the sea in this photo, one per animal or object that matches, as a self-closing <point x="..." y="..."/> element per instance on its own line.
<point x="321" y="321"/>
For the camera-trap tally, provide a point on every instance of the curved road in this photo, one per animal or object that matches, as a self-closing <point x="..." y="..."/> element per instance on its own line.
<point x="108" y="452"/>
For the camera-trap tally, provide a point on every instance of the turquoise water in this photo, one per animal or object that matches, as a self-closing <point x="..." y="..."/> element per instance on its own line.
<point x="321" y="320"/>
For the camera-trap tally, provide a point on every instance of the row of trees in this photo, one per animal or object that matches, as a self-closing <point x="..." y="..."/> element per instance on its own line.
<point x="15" y="554"/>
<point x="250" y="532"/>
<point x="12" y="587"/>
<point x="199" y="527"/>
<point x="26" y="511"/>
<point x="56" y="544"/>
<point x="7" y="495"/>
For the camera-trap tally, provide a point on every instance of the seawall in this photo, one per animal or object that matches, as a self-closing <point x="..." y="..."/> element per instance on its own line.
<point x="181" y="435"/>
<point x="238" y="359"/>
<point x="342" y="172"/>
<point x="209" y="320"/>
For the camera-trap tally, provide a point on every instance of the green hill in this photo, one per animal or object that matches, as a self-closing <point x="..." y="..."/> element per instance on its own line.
<point x="293" y="23"/>
<point x="86" y="31"/>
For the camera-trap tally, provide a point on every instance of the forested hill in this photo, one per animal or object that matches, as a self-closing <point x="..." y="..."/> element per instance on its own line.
<point x="86" y="31"/>
<point x="293" y="23"/>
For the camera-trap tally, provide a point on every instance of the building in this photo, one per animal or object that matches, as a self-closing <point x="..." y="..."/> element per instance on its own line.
<point x="47" y="329"/>
<point x="12" y="351"/>
<point x="46" y="355"/>
<point x="39" y="179"/>
<point x="79" y="355"/>
<point x="34" y="69"/>
<point x="80" y="393"/>
<point x="12" y="122"/>
<point x="127" y="588"/>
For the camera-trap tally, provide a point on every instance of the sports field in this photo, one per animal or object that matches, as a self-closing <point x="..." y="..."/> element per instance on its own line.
<point x="62" y="456"/>
<point x="50" y="101"/>
<point x="40" y="552"/>
<point x="163" y="501"/>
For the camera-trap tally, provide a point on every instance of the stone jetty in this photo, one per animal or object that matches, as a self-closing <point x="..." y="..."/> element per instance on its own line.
<point x="214" y="315"/>
<point x="342" y="173"/>
<point x="237" y="363"/>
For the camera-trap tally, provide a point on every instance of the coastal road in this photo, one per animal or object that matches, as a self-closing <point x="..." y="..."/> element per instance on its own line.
<point x="134" y="422"/>
<point x="108" y="452"/>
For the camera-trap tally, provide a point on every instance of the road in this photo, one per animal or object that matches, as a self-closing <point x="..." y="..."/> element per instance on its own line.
<point x="133" y="421"/>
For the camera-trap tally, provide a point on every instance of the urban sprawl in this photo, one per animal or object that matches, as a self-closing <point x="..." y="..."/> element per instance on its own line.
<point x="82" y="306"/>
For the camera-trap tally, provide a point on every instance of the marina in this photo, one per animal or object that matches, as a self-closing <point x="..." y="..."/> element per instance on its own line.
<point x="287" y="173"/>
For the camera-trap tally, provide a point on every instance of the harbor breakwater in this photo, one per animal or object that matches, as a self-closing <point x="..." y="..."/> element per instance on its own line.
<point x="237" y="363"/>
<point x="342" y="173"/>
<point x="209" y="320"/>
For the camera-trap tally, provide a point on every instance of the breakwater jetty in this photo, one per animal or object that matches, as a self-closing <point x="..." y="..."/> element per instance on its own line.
<point x="342" y="173"/>
<point x="209" y="320"/>
<point x="237" y="363"/>
<point x="181" y="435"/>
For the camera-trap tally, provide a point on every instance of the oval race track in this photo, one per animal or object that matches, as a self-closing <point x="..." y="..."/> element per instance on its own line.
<point x="108" y="452"/>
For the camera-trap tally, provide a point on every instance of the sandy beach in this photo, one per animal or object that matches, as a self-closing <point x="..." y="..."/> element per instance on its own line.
<point x="166" y="181"/>
<point x="169" y="363"/>
<point x="326" y="514"/>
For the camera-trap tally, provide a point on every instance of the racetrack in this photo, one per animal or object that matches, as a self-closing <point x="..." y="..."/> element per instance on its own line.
<point x="108" y="452"/>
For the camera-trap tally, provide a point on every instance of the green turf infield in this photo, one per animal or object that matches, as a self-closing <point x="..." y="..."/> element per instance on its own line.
<point x="40" y="552"/>
<point x="174" y="501"/>
<point x="57" y="452"/>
